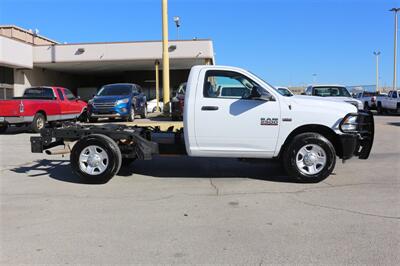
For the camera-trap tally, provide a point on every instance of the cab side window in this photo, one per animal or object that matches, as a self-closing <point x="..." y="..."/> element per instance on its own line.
<point x="70" y="96"/>
<point x="227" y="84"/>
<point x="394" y="94"/>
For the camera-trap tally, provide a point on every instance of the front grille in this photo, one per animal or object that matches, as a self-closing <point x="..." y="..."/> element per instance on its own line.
<point x="104" y="104"/>
<point x="365" y="122"/>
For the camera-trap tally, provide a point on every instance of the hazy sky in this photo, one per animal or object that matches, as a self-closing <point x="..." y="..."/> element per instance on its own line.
<point x="284" y="42"/>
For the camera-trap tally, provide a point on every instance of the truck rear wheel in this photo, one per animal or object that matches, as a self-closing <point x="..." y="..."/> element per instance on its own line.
<point x="309" y="157"/>
<point x="96" y="158"/>
<point x="39" y="122"/>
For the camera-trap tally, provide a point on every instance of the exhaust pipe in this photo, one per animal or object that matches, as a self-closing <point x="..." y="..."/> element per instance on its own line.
<point x="66" y="150"/>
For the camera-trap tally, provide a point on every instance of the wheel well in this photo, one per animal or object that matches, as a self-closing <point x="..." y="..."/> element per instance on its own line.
<point x="320" y="129"/>
<point x="42" y="112"/>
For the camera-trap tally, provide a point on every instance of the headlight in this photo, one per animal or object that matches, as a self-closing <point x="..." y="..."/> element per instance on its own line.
<point x="349" y="124"/>
<point x="123" y="101"/>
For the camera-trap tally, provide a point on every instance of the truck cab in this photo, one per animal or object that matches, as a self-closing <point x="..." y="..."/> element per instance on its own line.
<point x="121" y="100"/>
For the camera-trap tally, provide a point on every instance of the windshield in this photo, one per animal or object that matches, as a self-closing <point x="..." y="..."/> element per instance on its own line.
<point x="115" y="90"/>
<point x="331" y="92"/>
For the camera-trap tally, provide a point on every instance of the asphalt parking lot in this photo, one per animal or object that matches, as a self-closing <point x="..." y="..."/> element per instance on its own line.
<point x="200" y="210"/>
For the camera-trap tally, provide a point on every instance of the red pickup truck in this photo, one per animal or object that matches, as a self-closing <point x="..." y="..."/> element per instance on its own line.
<point x="40" y="105"/>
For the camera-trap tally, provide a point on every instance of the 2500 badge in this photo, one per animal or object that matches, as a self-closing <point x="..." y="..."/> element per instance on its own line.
<point x="269" y="121"/>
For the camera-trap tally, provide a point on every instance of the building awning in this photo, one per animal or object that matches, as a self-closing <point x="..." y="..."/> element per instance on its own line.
<point x="116" y="57"/>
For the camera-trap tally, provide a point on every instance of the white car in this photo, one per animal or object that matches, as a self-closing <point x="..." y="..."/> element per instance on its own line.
<point x="334" y="93"/>
<point x="152" y="106"/>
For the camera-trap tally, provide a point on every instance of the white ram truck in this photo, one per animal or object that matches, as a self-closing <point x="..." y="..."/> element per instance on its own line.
<point x="251" y="119"/>
<point x="390" y="103"/>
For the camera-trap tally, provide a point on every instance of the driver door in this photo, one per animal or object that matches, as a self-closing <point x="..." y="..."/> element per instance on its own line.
<point x="228" y="125"/>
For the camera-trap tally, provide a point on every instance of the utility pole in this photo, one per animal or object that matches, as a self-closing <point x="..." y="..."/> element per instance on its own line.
<point x="157" y="63"/>
<point x="395" y="10"/>
<point x="165" y="56"/>
<point x="377" y="53"/>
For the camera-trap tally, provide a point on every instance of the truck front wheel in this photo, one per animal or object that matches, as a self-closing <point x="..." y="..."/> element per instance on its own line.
<point x="3" y="128"/>
<point x="96" y="158"/>
<point x="379" y="108"/>
<point x="309" y="157"/>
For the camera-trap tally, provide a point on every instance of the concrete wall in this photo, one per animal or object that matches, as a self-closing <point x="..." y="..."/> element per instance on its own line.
<point x="23" y="35"/>
<point x="42" y="77"/>
<point x="15" y="53"/>
<point x="120" y="51"/>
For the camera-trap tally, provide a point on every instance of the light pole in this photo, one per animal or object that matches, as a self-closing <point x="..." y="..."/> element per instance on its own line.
<point x="177" y="21"/>
<point x="395" y="10"/>
<point x="165" y="56"/>
<point x="377" y="53"/>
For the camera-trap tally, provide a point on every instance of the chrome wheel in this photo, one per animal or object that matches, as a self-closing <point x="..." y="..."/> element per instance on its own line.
<point x="39" y="123"/>
<point x="93" y="160"/>
<point x="311" y="159"/>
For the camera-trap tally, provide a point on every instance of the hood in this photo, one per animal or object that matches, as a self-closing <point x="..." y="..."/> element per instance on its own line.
<point x="109" y="98"/>
<point x="325" y="103"/>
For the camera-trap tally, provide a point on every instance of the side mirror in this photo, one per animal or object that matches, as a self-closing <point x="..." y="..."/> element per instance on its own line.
<point x="267" y="97"/>
<point x="256" y="95"/>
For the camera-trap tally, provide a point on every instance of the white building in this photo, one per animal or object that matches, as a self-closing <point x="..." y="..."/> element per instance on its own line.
<point x="28" y="59"/>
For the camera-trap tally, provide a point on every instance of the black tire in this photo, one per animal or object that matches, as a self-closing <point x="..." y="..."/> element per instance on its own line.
<point x="131" y="116"/>
<point x="39" y="122"/>
<point x="302" y="140"/>
<point x="379" y="108"/>
<point x="144" y="115"/>
<point x="3" y="128"/>
<point x="113" y="153"/>
<point x="366" y="107"/>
